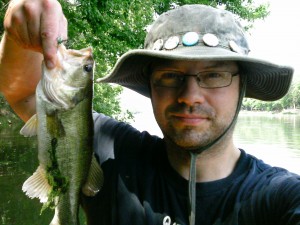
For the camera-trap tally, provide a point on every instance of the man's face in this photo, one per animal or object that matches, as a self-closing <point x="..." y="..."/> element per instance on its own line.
<point x="189" y="115"/>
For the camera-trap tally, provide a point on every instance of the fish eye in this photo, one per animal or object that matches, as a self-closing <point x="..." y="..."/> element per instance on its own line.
<point x="88" y="68"/>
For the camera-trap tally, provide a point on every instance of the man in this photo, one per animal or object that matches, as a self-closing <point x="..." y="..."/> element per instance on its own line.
<point x="196" y="71"/>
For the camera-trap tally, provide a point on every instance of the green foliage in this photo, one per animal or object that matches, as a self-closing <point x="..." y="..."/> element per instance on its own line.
<point x="3" y="7"/>
<point x="290" y="101"/>
<point x="7" y="118"/>
<point x="112" y="27"/>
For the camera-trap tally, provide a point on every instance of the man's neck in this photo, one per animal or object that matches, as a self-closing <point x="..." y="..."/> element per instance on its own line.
<point x="212" y="164"/>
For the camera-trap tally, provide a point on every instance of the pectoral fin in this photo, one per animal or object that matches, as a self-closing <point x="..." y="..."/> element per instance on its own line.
<point x="30" y="127"/>
<point x="37" y="185"/>
<point x="95" y="179"/>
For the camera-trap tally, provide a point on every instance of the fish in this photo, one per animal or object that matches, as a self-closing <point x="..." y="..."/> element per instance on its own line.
<point x="63" y="125"/>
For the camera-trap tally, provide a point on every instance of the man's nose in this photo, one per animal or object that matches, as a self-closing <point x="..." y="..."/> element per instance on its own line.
<point x="190" y="93"/>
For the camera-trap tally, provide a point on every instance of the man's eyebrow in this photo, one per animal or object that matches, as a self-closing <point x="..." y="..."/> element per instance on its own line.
<point x="214" y="64"/>
<point x="171" y="65"/>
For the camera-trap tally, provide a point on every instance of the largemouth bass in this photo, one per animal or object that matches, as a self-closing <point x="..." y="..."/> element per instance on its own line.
<point x="64" y="128"/>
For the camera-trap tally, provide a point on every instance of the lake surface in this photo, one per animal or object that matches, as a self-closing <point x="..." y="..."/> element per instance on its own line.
<point x="18" y="161"/>
<point x="273" y="138"/>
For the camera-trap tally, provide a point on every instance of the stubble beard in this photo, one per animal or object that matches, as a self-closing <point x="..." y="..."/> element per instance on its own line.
<point x="191" y="138"/>
<point x="195" y="138"/>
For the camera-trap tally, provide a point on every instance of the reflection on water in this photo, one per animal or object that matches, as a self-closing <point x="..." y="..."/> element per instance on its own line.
<point x="272" y="138"/>
<point x="18" y="160"/>
<point x="275" y="139"/>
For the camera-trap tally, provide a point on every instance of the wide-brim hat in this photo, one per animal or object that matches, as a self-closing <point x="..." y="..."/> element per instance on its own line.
<point x="194" y="33"/>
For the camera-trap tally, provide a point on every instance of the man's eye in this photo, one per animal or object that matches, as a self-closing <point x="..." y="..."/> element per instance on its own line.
<point x="213" y="75"/>
<point x="171" y="75"/>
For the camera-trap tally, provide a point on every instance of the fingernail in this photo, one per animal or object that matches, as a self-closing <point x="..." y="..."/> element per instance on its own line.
<point x="50" y="64"/>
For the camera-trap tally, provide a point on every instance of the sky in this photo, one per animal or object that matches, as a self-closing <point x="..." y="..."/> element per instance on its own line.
<point x="276" y="38"/>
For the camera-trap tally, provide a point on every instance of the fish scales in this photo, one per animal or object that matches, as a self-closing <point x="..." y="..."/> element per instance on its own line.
<point x="64" y="128"/>
<point x="73" y="152"/>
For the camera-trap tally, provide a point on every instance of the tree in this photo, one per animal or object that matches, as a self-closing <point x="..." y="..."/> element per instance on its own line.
<point x="295" y="95"/>
<point x="112" y="27"/>
<point x="290" y="101"/>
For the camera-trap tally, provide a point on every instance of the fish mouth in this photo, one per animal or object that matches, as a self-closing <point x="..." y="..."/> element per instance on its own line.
<point x="66" y="85"/>
<point x="81" y="53"/>
<point x="77" y="53"/>
<point x="63" y="52"/>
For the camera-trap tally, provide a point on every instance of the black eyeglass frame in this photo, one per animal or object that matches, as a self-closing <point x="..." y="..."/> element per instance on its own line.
<point x="184" y="75"/>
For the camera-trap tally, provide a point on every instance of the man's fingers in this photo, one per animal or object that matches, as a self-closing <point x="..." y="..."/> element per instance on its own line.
<point x="21" y="24"/>
<point x="33" y="25"/>
<point x="63" y="27"/>
<point x="36" y="25"/>
<point x="51" y="30"/>
<point x="12" y="20"/>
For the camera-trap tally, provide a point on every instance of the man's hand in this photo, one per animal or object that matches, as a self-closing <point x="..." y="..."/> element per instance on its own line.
<point x="31" y="27"/>
<point x="36" y="25"/>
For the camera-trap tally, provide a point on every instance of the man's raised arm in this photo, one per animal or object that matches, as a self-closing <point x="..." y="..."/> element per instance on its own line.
<point x="31" y="31"/>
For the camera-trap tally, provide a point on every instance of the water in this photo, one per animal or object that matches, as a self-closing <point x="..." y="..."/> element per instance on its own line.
<point x="18" y="160"/>
<point x="273" y="138"/>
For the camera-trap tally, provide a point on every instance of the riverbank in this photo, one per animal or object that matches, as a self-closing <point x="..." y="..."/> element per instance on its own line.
<point x="266" y="113"/>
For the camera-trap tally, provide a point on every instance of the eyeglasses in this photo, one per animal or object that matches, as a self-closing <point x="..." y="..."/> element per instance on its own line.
<point x="206" y="79"/>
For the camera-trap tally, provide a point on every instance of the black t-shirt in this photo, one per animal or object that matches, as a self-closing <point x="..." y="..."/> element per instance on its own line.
<point x="141" y="187"/>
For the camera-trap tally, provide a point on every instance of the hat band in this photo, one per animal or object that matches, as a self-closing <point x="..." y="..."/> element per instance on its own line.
<point x="192" y="38"/>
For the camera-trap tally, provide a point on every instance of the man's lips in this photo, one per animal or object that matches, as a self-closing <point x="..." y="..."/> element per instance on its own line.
<point x="189" y="119"/>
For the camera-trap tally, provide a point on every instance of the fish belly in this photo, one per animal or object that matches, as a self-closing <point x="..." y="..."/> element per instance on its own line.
<point x="65" y="152"/>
